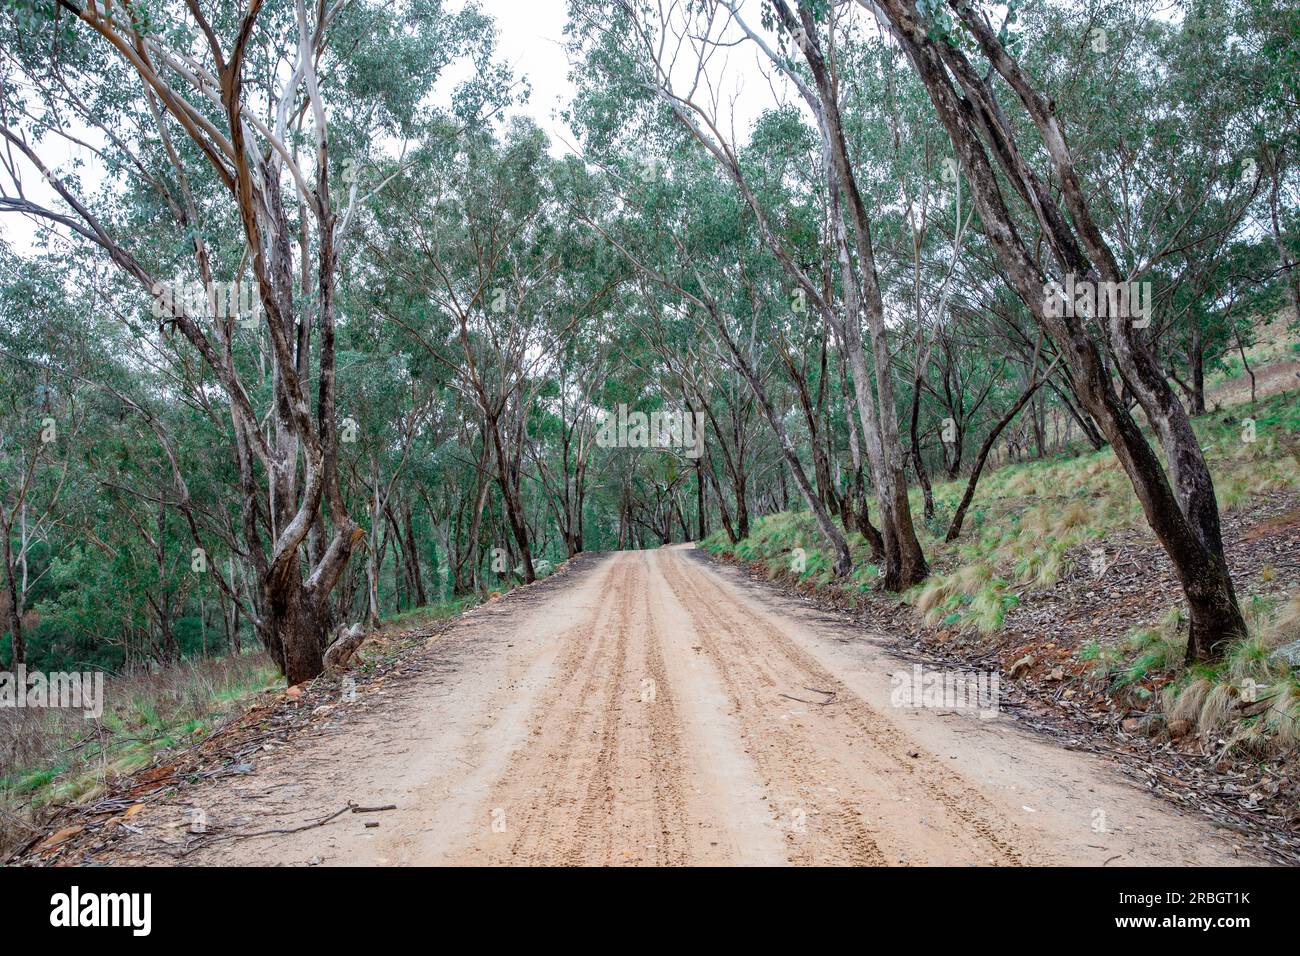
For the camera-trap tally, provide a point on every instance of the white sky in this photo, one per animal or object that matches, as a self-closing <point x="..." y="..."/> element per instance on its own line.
<point x="530" y="38"/>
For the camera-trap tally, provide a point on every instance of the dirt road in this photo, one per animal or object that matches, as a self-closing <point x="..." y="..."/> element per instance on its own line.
<point x="652" y="708"/>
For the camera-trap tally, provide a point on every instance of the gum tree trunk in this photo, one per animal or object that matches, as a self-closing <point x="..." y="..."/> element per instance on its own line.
<point x="905" y="563"/>
<point x="1181" y="506"/>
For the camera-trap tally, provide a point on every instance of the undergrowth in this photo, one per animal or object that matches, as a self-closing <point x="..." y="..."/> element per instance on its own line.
<point x="50" y="756"/>
<point x="1031" y="523"/>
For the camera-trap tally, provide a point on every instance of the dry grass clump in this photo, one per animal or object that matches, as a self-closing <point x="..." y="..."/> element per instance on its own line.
<point x="50" y="756"/>
<point x="1251" y="698"/>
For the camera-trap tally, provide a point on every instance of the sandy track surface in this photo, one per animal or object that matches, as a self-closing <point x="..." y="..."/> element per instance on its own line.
<point x="653" y="708"/>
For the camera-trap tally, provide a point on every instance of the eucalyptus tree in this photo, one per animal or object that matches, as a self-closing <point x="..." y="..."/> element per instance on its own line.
<point x="42" y="412"/>
<point x="675" y="47"/>
<point x="1169" y="138"/>
<point x="1266" y="74"/>
<point x="689" y="264"/>
<point x="580" y="383"/>
<point x="220" y="133"/>
<point x="712" y="270"/>
<point x="863" y="296"/>
<point x="1180" y="505"/>
<point x="475" y="239"/>
<point x="123" y="500"/>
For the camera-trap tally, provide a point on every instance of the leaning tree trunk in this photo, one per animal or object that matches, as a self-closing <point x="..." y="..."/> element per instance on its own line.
<point x="905" y="563"/>
<point x="918" y="463"/>
<point x="1183" y="512"/>
<point x="954" y="529"/>
<point x="514" y="507"/>
<point x="840" y="548"/>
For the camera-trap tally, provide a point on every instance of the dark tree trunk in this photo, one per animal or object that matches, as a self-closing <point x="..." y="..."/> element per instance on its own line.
<point x="724" y="513"/>
<point x="699" y="497"/>
<point x="742" y="508"/>
<point x="18" y="648"/>
<point x="954" y="529"/>
<point x="413" y="556"/>
<point x="1180" y="507"/>
<point x="513" y="505"/>
<point x="299" y="637"/>
<point x="1196" y="372"/>
<point x="918" y="463"/>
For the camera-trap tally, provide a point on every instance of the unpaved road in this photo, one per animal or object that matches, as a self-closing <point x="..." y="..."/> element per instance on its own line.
<point x="652" y="708"/>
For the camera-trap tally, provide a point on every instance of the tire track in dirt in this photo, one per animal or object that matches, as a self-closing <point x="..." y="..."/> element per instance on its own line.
<point x="653" y="711"/>
<point x="598" y="781"/>
<point x="940" y="820"/>
<point x="780" y="751"/>
<point x="551" y="794"/>
<point x="657" y="722"/>
<point x="526" y="821"/>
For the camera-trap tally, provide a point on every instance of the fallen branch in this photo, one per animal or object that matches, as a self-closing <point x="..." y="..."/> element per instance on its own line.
<point x="240" y="835"/>
<point x="344" y="646"/>
<point x="820" y="703"/>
